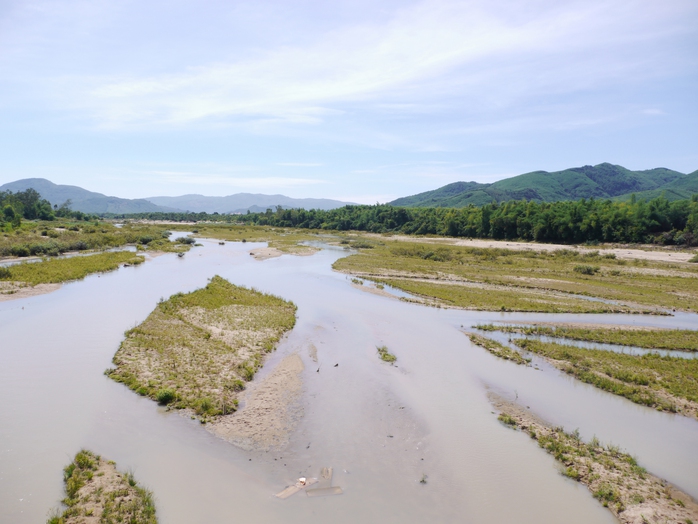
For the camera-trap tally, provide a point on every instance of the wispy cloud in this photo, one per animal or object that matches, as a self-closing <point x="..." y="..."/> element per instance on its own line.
<point x="299" y="164"/>
<point x="485" y="55"/>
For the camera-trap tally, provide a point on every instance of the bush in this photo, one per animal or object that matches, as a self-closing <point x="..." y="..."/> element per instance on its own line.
<point x="586" y="270"/>
<point x="5" y="273"/>
<point x="185" y="240"/>
<point x="165" y="396"/>
<point x="385" y="355"/>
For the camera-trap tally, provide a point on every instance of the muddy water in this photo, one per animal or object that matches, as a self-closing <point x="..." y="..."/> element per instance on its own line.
<point x="382" y="428"/>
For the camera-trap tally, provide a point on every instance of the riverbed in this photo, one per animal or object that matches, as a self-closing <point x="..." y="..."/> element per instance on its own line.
<point x="382" y="428"/>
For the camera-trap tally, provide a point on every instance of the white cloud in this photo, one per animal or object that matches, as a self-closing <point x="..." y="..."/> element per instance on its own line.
<point x="485" y="55"/>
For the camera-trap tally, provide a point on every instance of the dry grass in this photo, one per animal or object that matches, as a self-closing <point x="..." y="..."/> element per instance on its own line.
<point x="197" y="350"/>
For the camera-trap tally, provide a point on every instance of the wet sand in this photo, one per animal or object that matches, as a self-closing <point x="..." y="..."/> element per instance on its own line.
<point x="17" y="290"/>
<point x="270" y="413"/>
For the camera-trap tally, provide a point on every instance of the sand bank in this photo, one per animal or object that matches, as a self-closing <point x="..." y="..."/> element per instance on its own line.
<point x="270" y="411"/>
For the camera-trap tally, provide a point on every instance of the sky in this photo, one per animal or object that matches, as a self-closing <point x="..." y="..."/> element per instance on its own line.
<point x="358" y="100"/>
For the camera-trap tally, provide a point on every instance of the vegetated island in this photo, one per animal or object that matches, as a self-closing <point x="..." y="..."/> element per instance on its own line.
<point x="615" y="478"/>
<point x="496" y="279"/>
<point x="45" y="240"/>
<point x="30" y="278"/>
<point x="664" y="383"/>
<point x="197" y="351"/>
<point x="650" y="338"/>
<point x="97" y="493"/>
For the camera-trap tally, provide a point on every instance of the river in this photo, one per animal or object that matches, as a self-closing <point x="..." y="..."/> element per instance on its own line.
<point x="382" y="428"/>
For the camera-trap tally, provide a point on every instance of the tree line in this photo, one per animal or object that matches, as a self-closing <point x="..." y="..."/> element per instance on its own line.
<point x="567" y="222"/>
<point x="28" y="205"/>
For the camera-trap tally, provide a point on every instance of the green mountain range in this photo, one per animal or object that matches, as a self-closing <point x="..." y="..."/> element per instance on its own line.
<point x="600" y="182"/>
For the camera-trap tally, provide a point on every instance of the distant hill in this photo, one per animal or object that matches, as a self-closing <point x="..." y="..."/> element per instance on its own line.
<point x="601" y="181"/>
<point x="241" y="202"/>
<point x="82" y="199"/>
<point x="91" y="202"/>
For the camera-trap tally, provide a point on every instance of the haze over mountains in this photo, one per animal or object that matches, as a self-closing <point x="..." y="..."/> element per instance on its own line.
<point x="601" y="181"/>
<point x="91" y="202"/>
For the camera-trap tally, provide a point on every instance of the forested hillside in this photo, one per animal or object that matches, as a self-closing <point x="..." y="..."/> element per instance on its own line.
<point x="601" y="181"/>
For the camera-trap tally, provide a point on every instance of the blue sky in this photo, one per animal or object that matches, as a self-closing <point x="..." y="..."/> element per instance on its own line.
<point x="357" y="100"/>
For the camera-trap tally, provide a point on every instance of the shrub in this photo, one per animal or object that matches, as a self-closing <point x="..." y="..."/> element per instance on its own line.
<point x="507" y="419"/>
<point x="385" y="355"/>
<point x="586" y="270"/>
<point x="165" y="396"/>
<point x="5" y="273"/>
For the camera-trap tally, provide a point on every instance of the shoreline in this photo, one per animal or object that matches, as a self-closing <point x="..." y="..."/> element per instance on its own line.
<point x="633" y="495"/>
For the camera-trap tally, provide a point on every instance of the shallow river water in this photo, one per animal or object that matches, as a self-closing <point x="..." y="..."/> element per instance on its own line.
<point x="381" y="427"/>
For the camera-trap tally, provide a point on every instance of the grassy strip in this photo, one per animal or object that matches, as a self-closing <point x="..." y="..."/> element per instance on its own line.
<point x="498" y="349"/>
<point x="676" y="339"/>
<point x="57" y="237"/>
<point x="385" y="355"/>
<point x="664" y="383"/>
<point x="196" y="350"/>
<point x="64" y="269"/>
<point x="517" y="274"/>
<point x="614" y="478"/>
<point x="284" y="239"/>
<point x="487" y="298"/>
<point x="97" y="492"/>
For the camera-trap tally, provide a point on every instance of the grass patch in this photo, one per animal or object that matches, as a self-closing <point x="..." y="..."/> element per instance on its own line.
<point x="497" y="279"/>
<point x="51" y="271"/>
<point x="664" y="383"/>
<point x="497" y="349"/>
<point x="385" y="355"/>
<point x="673" y="339"/>
<point x="39" y="239"/>
<point x="97" y="492"/>
<point x="197" y="350"/>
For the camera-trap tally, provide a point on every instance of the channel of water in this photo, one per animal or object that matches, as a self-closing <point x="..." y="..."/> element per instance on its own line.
<point x="381" y="427"/>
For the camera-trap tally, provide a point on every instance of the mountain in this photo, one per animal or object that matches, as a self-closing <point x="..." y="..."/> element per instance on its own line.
<point x="600" y="181"/>
<point x="680" y="189"/>
<point x="82" y="199"/>
<point x="91" y="202"/>
<point x="241" y="202"/>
